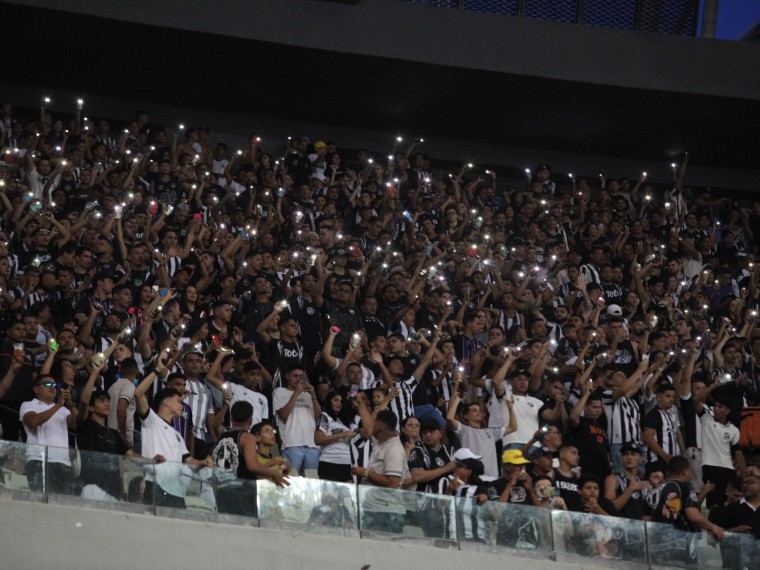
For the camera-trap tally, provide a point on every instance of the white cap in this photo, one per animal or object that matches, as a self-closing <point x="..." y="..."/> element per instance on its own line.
<point x="614" y="311"/>
<point x="464" y="453"/>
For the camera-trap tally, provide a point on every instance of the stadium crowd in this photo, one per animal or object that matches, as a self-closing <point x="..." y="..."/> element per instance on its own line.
<point x="579" y="344"/>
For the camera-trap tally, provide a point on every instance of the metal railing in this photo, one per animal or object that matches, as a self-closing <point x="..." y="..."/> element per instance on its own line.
<point x="113" y="482"/>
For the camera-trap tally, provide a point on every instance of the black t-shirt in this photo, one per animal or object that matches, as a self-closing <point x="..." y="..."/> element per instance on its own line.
<point x="282" y="355"/>
<point x="138" y="278"/>
<point x="426" y="319"/>
<point x="590" y="437"/>
<point x="670" y="500"/>
<point x="423" y="457"/>
<point x="426" y="393"/>
<point x="299" y="167"/>
<point x="6" y="314"/>
<point x="21" y="388"/>
<point x="309" y="320"/>
<point x="98" y="469"/>
<point x="166" y="190"/>
<point x="625" y="357"/>
<point x="636" y="507"/>
<point x="348" y="320"/>
<point x="518" y="494"/>
<point x="76" y="197"/>
<point x="568" y="490"/>
<point x="690" y="422"/>
<point x="47" y="264"/>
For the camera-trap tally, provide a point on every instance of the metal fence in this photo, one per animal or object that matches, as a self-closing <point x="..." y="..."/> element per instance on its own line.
<point x="665" y="16"/>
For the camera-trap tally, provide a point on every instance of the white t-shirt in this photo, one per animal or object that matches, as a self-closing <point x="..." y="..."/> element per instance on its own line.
<point x="159" y="437"/>
<point x="717" y="440"/>
<point x="298" y="429"/>
<point x="53" y="433"/>
<point x="258" y="401"/>
<point x="526" y="410"/>
<point x="481" y="442"/>
<point x="123" y="389"/>
<point x="338" y="451"/>
<point x="493" y="405"/>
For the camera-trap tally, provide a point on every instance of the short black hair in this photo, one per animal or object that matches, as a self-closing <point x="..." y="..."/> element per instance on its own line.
<point x="256" y="430"/>
<point x="388" y="419"/>
<point x="129" y="367"/>
<point x="586" y="477"/>
<point x="241" y="412"/>
<point x="162" y="395"/>
<point x="678" y="465"/>
<point x="99" y="395"/>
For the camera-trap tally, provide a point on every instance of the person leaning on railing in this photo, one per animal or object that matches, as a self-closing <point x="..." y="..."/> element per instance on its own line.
<point x="100" y="475"/>
<point x="47" y="419"/>
<point x="163" y="483"/>
<point x="384" y="508"/>
<point x="675" y="502"/>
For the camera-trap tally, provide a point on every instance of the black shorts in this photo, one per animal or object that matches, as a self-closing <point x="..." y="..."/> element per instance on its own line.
<point x="334" y="471"/>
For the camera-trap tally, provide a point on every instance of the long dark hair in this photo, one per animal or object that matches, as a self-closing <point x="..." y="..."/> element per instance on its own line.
<point x="328" y="409"/>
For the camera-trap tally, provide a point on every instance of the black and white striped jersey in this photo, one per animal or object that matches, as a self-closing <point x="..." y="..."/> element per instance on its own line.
<point x="590" y="273"/>
<point x="199" y="400"/>
<point x="427" y="459"/>
<point x="402" y="405"/>
<point x="623" y="418"/>
<point x="665" y="433"/>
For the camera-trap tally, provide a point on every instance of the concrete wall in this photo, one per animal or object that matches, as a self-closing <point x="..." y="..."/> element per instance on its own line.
<point x="395" y="29"/>
<point x="39" y="536"/>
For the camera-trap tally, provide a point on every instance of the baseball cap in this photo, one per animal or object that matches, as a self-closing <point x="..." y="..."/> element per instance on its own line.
<point x="520" y="372"/>
<point x="319" y="144"/>
<point x="465" y="453"/>
<point x="542" y="451"/>
<point x="513" y="456"/>
<point x="615" y="311"/>
<point x="626" y="447"/>
<point x="429" y="425"/>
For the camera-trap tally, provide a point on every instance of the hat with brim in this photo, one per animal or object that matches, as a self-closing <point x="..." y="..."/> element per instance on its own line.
<point x="514" y="457"/>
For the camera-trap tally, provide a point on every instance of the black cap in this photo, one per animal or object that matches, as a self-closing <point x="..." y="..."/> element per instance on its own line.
<point x="629" y="447"/>
<point x="429" y="425"/>
<point x="520" y="372"/>
<point x="538" y="452"/>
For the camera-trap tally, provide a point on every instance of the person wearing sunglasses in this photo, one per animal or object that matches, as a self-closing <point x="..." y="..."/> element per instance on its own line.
<point x="46" y="420"/>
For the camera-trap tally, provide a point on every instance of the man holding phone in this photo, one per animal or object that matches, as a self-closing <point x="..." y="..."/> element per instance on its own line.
<point x="297" y="408"/>
<point x="46" y="420"/>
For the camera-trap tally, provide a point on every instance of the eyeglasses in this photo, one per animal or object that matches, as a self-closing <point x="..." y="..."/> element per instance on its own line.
<point x="48" y="384"/>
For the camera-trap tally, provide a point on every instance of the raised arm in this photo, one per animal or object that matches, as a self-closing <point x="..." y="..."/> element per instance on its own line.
<point x="84" y="399"/>
<point x="142" y="388"/>
<point x="451" y="411"/>
<point x="427" y="358"/>
<point x="575" y="414"/>
<point x="7" y="381"/>
<point x="632" y="383"/>
<point x="261" y="330"/>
